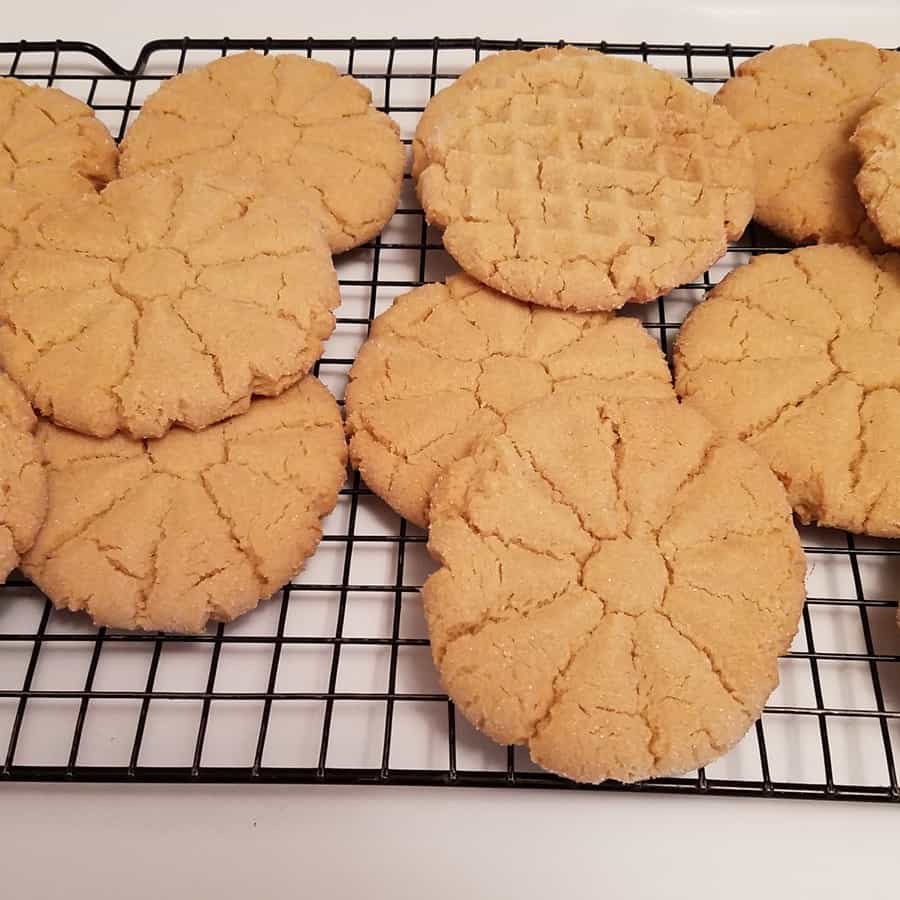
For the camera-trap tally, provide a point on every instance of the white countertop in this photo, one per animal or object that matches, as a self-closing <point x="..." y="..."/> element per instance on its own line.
<point x="234" y="842"/>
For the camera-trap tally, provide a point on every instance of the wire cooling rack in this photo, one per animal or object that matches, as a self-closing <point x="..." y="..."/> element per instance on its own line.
<point x="331" y="680"/>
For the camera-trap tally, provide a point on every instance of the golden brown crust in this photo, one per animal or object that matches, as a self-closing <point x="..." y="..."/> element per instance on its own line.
<point x="166" y="299"/>
<point x="616" y="585"/>
<point x="799" y="105"/>
<point x="23" y="486"/>
<point x="447" y="364"/>
<point x="581" y="181"/>
<point x="800" y="355"/>
<point x="312" y="133"/>
<point x="168" y="534"/>
<point x="50" y="146"/>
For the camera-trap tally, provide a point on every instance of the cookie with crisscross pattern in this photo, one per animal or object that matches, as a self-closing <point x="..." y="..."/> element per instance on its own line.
<point x="581" y="181"/>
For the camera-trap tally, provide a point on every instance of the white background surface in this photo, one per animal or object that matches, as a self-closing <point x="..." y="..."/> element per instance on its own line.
<point x="231" y="842"/>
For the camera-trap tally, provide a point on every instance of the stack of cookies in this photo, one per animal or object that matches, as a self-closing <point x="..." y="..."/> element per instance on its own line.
<point x="618" y="566"/>
<point x="146" y="298"/>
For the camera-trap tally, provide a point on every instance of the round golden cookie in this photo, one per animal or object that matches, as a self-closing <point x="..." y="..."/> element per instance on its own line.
<point x="23" y="486"/>
<point x="50" y="146"/>
<point x="799" y="105"/>
<point x="168" y="534"/>
<point x="616" y="586"/>
<point x="448" y="363"/>
<point x="310" y="131"/>
<point x="164" y="300"/>
<point x="877" y="143"/>
<point x="800" y="355"/>
<point x="581" y="181"/>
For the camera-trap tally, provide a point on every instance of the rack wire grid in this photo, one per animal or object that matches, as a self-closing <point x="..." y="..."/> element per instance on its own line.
<point x="331" y="680"/>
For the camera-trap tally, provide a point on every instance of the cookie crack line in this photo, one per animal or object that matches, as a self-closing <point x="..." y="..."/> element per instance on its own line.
<point x="215" y="363"/>
<point x="82" y="526"/>
<point x="502" y="615"/>
<point x="558" y="496"/>
<point x="703" y="651"/>
<point x="574" y="652"/>
<point x="653" y="732"/>
<point x="245" y="550"/>
<point x="140" y="613"/>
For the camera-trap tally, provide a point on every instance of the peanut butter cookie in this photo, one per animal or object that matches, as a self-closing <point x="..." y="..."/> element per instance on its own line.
<point x="799" y="354"/>
<point x="799" y="105"/>
<point x="50" y="146"/>
<point x="166" y="299"/>
<point x="616" y="586"/>
<point x="196" y="526"/>
<point x="581" y="181"/>
<point x="312" y="133"/>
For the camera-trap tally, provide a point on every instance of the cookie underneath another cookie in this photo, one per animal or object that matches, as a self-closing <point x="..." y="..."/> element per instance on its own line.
<point x="164" y="300"/>
<point x="312" y="133"/>
<point x="447" y="363"/>
<point x="168" y="534"/>
<point x="877" y="142"/>
<point x="23" y="485"/>
<point x="799" y="105"/>
<point x="800" y="354"/>
<point x="616" y="586"/>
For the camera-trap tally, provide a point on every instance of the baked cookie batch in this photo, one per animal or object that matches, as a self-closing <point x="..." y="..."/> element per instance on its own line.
<point x="618" y="568"/>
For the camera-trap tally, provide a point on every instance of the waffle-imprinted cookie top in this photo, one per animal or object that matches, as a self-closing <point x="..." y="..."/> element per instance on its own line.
<point x="581" y="181"/>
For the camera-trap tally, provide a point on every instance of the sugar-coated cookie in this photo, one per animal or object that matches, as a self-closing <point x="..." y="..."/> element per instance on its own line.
<point x="616" y="586"/>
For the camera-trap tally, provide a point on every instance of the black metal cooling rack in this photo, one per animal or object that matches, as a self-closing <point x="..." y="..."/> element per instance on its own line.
<point x="330" y="681"/>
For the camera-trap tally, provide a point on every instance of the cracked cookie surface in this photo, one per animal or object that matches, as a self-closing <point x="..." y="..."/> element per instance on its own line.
<point x="448" y="363"/>
<point x="164" y="300"/>
<point x="799" y="105"/>
<point x="877" y="143"/>
<point x="800" y="355"/>
<point x="195" y="526"/>
<point x="581" y="181"/>
<point x="50" y="146"/>
<point x="23" y="485"/>
<point x="312" y="133"/>
<point x="616" y="586"/>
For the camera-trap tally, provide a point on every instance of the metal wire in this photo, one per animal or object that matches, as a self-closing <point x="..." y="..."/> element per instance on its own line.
<point x="395" y="64"/>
